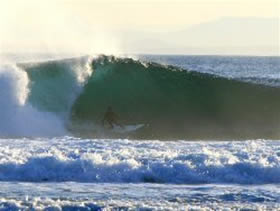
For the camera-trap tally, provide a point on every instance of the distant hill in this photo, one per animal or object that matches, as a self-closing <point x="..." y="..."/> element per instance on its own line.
<point x="232" y="32"/>
<point x="257" y="36"/>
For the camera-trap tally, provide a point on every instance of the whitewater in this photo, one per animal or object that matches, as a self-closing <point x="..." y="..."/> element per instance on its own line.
<point x="72" y="173"/>
<point x="210" y="141"/>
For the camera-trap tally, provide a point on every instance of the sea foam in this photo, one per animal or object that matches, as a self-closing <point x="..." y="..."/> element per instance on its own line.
<point x="18" y="117"/>
<point x="124" y="161"/>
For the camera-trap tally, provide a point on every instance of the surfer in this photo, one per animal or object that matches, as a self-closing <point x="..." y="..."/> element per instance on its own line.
<point x="111" y="118"/>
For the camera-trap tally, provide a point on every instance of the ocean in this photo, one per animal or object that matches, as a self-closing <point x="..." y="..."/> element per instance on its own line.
<point x="209" y="141"/>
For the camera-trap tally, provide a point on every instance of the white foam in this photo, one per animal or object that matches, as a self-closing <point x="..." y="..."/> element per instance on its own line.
<point x="69" y="159"/>
<point x="83" y="71"/>
<point x="71" y="173"/>
<point x="18" y="117"/>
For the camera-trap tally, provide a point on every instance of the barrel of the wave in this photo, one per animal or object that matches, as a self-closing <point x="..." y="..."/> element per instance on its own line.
<point x="177" y="103"/>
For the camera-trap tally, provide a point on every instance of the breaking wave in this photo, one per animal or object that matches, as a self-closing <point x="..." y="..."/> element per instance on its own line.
<point x="171" y="102"/>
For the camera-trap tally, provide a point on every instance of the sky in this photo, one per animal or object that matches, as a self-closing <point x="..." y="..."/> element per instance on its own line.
<point x="141" y="26"/>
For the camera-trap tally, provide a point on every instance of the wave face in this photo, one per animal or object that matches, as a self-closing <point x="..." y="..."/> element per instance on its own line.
<point x="171" y="102"/>
<point x="124" y="161"/>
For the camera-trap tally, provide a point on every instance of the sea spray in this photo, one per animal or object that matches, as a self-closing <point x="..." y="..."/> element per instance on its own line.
<point x="18" y="117"/>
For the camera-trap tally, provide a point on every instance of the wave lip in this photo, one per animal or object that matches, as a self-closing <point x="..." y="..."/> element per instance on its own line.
<point x="123" y="161"/>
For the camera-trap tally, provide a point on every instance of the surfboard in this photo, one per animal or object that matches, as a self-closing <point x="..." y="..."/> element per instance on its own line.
<point x="127" y="128"/>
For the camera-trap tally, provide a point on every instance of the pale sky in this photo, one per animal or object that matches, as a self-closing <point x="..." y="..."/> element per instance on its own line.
<point x="111" y="26"/>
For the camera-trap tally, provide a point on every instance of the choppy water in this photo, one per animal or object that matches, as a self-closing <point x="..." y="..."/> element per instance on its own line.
<point x="256" y="69"/>
<point x="67" y="172"/>
<point x="87" y="196"/>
